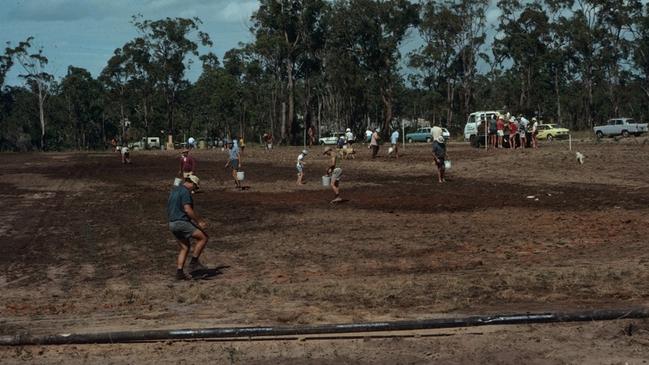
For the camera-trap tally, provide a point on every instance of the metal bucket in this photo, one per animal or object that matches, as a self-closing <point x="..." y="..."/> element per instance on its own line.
<point x="241" y="175"/>
<point x="447" y="164"/>
<point x="177" y="181"/>
<point x="326" y="180"/>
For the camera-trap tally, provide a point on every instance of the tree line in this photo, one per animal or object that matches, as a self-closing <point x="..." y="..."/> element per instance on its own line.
<point x="338" y="64"/>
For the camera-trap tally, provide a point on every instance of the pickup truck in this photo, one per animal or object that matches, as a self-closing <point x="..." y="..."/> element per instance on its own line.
<point x="620" y="126"/>
<point x="146" y="142"/>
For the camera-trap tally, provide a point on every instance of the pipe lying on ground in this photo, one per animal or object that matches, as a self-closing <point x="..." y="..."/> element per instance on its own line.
<point x="236" y="332"/>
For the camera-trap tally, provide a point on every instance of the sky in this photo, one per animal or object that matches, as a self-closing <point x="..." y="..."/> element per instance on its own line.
<point x="85" y="33"/>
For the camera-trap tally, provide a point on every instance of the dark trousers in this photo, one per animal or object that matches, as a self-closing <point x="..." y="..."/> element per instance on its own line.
<point x="375" y="150"/>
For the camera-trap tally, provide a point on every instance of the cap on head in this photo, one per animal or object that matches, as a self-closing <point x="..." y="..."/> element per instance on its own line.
<point x="348" y="130"/>
<point x="185" y="150"/>
<point x="327" y="149"/>
<point x="194" y="179"/>
<point x="304" y="152"/>
<point x="439" y="139"/>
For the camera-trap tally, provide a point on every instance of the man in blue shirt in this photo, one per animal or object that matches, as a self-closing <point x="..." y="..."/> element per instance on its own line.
<point x="394" y="144"/>
<point x="186" y="224"/>
<point x="234" y="162"/>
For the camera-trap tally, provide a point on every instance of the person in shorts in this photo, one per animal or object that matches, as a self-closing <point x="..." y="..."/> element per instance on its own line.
<point x="394" y="144"/>
<point x="513" y="133"/>
<point x="335" y="171"/>
<point x="439" y="156"/>
<point x="493" y="131"/>
<point x="186" y="224"/>
<point x="126" y="155"/>
<point x="300" y="167"/>
<point x="535" y="131"/>
<point x="500" y="130"/>
<point x="187" y="164"/>
<point x="234" y="161"/>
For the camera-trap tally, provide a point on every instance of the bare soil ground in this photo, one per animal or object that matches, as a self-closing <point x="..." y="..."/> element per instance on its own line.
<point x="85" y="248"/>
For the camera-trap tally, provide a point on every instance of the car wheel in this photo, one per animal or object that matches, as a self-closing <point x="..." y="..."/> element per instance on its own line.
<point x="428" y="140"/>
<point x="599" y="135"/>
<point x="409" y="140"/>
<point x="625" y="134"/>
<point x="322" y="143"/>
<point x="549" y="138"/>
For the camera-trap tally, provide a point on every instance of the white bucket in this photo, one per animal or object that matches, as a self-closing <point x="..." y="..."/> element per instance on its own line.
<point x="447" y="164"/>
<point x="241" y="175"/>
<point x="177" y="181"/>
<point x="326" y="180"/>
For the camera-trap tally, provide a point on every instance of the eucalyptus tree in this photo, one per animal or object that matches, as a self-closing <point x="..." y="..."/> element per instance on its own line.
<point x="525" y="33"/>
<point x="286" y="34"/>
<point x="377" y="30"/>
<point x="641" y="51"/>
<point x="169" y="45"/>
<point x="83" y="95"/>
<point x="39" y="80"/>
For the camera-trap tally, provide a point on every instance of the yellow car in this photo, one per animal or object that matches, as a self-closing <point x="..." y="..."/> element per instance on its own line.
<point x="551" y="131"/>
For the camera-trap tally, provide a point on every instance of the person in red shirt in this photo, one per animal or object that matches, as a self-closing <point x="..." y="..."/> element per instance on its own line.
<point x="500" y="130"/>
<point x="187" y="164"/>
<point x="513" y="131"/>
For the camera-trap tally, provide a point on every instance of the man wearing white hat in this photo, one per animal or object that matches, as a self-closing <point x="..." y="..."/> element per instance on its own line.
<point x="186" y="224"/>
<point x="349" y="136"/>
<point x="439" y="156"/>
<point x="300" y="167"/>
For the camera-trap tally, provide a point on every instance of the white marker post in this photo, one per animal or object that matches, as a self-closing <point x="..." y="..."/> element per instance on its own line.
<point x="570" y="141"/>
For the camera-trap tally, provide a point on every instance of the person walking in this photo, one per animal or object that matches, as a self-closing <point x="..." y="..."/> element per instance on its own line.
<point x="439" y="156"/>
<point x="513" y="133"/>
<point x="349" y="136"/>
<point x="187" y="164"/>
<point x="535" y="131"/>
<point x="394" y="144"/>
<point x="126" y="155"/>
<point x="523" y="130"/>
<point x="374" y="142"/>
<point x="300" y="167"/>
<point x="234" y="162"/>
<point x="186" y="224"/>
<point x="493" y="130"/>
<point x="335" y="171"/>
<point x="500" y="130"/>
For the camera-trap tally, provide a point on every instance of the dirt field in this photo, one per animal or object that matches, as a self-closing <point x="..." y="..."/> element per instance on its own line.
<point x="85" y="248"/>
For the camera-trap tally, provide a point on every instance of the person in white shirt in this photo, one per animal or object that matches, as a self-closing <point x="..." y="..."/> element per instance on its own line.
<point x="535" y="126"/>
<point x="300" y="167"/>
<point x="349" y="136"/>
<point x="394" y="144"/>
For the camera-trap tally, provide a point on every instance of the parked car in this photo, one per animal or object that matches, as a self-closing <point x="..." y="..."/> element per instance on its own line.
<point x="551" y="131"/>
<point x="620" y="126"/>
<point x="331" y="139"/>
<point x="425" y="135"/>
<point x="146" y="142"/>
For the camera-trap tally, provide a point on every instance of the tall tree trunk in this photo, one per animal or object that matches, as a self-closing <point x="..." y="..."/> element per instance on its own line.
<point x="291" y="96"/>
<point x="41" y="113"/>
<point x="558" y="94"/>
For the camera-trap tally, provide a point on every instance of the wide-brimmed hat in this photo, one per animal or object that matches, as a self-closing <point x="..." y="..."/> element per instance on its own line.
<point x="327" y="149"/>
<point x="194" y="179"/>
<point x="439" y="139"/>
<point x="185" y="149"/>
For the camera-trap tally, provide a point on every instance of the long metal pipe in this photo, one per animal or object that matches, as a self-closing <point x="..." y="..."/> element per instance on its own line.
<point x="236" y="332"/>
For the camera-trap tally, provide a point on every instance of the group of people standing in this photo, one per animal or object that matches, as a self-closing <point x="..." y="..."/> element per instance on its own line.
<point x="521" y="131"/>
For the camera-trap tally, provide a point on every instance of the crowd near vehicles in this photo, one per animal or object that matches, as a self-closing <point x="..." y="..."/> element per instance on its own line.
<point x="474" y="130"/>
<point x="620" y="127"/>
<point x="425" y="135"/>
<point x="550" y="132"/>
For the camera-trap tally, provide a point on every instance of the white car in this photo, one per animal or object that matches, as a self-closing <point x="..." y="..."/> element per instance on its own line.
<point x="332" y="139"/>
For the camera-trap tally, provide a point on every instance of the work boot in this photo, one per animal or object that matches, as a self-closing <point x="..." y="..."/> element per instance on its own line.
<point x="181" y="275"/>
<point x="195" y="265"/>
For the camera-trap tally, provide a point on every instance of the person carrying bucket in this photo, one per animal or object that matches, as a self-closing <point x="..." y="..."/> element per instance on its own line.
<point x="300" y="167"/>
<point x="335" y="172"/>
<point x="234" y="162"/>
<point x="439" y="156"/>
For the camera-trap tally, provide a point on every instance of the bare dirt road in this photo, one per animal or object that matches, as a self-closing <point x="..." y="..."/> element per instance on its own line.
<point x="85" y="248"/>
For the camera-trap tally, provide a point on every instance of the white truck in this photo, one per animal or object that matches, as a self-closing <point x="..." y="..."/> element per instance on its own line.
<point x="474" y="130"/>
<point x="146" y="142"/>
<point x="620" y="126"/>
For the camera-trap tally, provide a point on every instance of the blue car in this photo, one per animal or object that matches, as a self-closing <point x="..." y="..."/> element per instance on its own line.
<point x="424" y="135"/>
